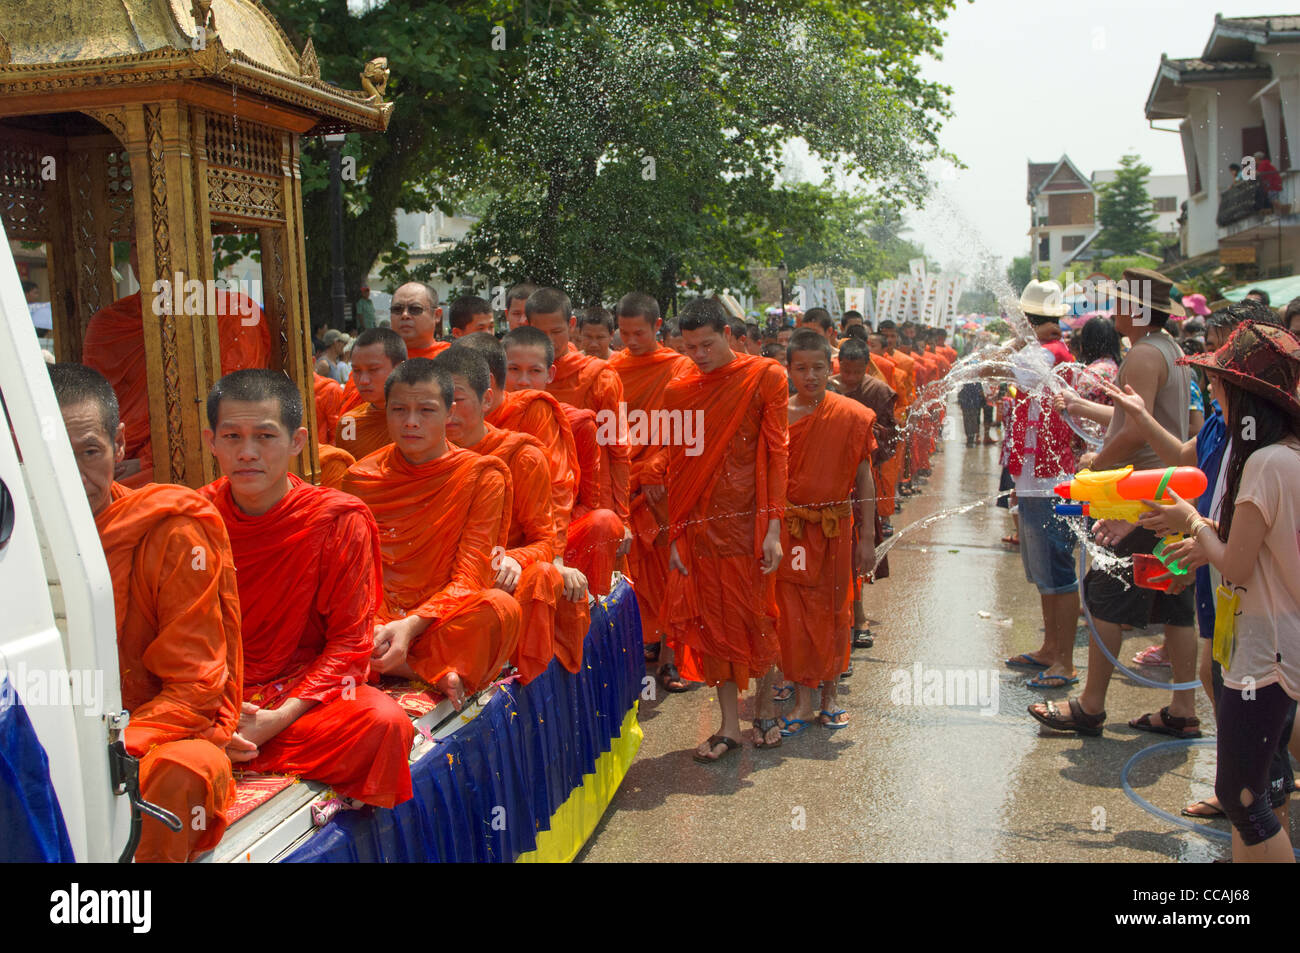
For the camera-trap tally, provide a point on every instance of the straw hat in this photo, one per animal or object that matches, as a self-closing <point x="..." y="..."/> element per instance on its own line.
<point x="1043" y="299"/>
<point x="1261" y="358"/>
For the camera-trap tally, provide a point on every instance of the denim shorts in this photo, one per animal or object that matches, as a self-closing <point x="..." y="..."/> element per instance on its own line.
<point x="1046" y="546"/>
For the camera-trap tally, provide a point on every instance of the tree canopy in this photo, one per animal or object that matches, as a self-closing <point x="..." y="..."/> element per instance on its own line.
<point x="1124" y="210"/>
<point x="619" y="144"/>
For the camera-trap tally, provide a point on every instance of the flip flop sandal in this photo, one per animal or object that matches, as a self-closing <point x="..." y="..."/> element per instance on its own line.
<point x="713" y="742"/>
<point x="1215" y="810"/>
<point x="1173" y="725"/>
<point x="787" y="731"/>
<point x="761" y="727"/>
<point x="1059" y="681"/>
<point x="1080" y="721"/>
<point x="863" y="639"/>
<point x="1025" y="660"/>
<point x="832" y="715"/>
<point x="848" y="672"/>
<point x="782" y="693"/>
<point x="652" y="654"/>
<point x="1154" y="656"/>
<point x="668" y="673"/>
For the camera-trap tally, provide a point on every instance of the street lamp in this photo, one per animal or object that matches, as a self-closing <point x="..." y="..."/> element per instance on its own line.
<point x="782" y="272"/>
<point x="338" y="292"/>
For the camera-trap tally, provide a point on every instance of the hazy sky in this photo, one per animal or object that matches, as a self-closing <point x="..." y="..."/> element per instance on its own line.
<point x="1032" y="80"/>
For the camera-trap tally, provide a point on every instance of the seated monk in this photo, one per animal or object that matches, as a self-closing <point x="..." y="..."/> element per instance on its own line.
<point x="526" y="569"/>
<point x="442" y="511"/>
<point x="309" y="581"/>
<point x="829" y="476"/>
<point x="597" y="536"/>
<point x="364" y="429"/>
<point x="114" y="346"/>
<point x="177" y="608"/>
<point x="415" y="318"/>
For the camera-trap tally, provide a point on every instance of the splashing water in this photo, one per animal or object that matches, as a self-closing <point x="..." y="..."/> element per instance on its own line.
<point x="883" y="549"/>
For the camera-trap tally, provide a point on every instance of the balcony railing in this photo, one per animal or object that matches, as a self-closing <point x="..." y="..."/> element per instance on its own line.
<point x="1243" y="200"/>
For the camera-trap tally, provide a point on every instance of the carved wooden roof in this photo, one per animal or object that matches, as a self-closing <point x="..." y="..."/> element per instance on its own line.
<point x="57" y="44"/>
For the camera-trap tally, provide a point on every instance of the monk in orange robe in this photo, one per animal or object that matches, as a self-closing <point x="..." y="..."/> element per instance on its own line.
<point x="442" y="513"/>
<point x="831" y="443"/>
<point x="526" y="569"/>
<point x="725" y="502"/>
<point x="364" y="429"/>
<point x="114" y="346"/>
<point x="309" y="581"/>
<point x="596" y="534"/>
<point x="590" y="384"/>
<point x="646" y="367"/>
<point x="414" y="315"/>
<point x="536" y="413"/>
<point x="177" y="608"/>
<point x="470" y="314"/>
<point x="329" y="406"/>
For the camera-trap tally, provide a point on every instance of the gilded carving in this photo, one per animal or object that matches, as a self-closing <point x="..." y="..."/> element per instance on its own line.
<point x="308" y="63"/>
<point x="374" y="78"/>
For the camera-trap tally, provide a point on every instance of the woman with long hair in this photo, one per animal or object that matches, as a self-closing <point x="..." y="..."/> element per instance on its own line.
<point x="1256" y="546"/>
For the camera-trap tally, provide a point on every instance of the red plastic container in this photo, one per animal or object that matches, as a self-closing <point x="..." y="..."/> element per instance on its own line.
<point x="1145" y="568"/>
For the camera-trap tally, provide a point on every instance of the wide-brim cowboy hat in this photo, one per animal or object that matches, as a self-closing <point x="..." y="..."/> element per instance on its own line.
<point x="1261" y="358"/>
<point x="1147" y="289"/>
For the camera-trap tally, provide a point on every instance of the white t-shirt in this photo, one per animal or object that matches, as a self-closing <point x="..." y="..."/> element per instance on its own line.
<point x="1267" y="640"/>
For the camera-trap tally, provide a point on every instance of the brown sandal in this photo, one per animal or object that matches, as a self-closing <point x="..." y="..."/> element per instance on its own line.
<point x="1079" y="720"/>
<point x="1172" y="725"/>
<point x="714" y="741"/>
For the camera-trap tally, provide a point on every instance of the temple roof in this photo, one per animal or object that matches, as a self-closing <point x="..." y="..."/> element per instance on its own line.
<point x="124" y="42"/>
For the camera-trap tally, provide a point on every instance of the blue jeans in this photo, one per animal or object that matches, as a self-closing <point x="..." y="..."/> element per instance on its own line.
<point x="1046" y="546"/>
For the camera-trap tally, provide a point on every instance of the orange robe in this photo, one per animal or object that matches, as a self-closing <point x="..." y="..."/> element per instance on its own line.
<point x="334" y="465"/>
<point x="439" y="524"/>
<point x="814" y="584"/>
<point x="179" y="655"/>
<point x="590" y="384"/>
<point x="362" y="431"/>
<point x="719" y="505"/>
<point x="432" y="351"/>
<point x="645" y="381"/>
<point x="595" y="531"/>
<point x="537" y="413"/>
<point x="114" y="346"/>
<point x="531" y="543"/>
<point x="329" y="405"/>
<point x="309" y="581"/>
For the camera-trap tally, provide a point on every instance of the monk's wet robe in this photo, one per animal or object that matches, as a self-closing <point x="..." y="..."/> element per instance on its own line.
<point x="531" y="543"/>
<point x="814" y="584"/>
<point x="720" y="502"/>
<point x="178" y="646"/>
<point x="431" y="351"/>
<point x="309" y="582"/>
<point x="645" y="380"/>
<point x="114" y="346"/>
<point x="363" y="430"/>
<point x="329" y="406"/>
<point x="537" y="413"/>
<point x="595" y="530"/>
<point x="334" y="465"/>
<point x="439" y="523"/>
<point x="879" y="398"/>
<point x="589" y="383"/>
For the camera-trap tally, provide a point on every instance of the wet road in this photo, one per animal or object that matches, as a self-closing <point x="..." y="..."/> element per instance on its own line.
<point x="922" y="782"/>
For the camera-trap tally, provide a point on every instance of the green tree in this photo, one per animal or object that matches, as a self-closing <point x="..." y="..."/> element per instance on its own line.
<point x="1019" y="273"/>
<point x="1125" y="212"/>
<point x="552" y="135"/>
<point x="977" y="301"/>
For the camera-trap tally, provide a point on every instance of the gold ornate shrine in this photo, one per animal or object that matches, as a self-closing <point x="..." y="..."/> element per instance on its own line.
<point x="164" y="122"/>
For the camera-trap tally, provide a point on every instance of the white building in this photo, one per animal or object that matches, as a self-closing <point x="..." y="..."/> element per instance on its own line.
<point x="1238" y="98"/>
<point x="1064" y="211"/>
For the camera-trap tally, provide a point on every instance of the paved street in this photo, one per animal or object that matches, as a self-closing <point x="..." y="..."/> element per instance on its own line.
<point x="921" y="782"/>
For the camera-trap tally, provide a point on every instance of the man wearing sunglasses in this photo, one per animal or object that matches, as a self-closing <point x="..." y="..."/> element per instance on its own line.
<point x="416" y="317"/>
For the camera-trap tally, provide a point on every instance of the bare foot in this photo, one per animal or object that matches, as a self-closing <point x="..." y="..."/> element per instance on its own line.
<point x="452" y="687"/>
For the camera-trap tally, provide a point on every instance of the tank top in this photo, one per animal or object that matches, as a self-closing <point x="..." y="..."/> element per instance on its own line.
<point x="1172" y="400"/>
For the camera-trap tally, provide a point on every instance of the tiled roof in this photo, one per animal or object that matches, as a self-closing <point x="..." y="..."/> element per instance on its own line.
<point x="1199" y="67"/>
<point x="1280" y="24"/>
<point x="1038" y="171"/>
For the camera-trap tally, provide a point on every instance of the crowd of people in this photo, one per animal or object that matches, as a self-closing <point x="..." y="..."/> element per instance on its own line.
<point x="475" y="489"/>
<point x="1219" y="394"/>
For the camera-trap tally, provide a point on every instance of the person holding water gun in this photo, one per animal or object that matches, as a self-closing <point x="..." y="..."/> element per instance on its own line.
<point x="1255" y="546"/>
<point x="1142" y="306"/>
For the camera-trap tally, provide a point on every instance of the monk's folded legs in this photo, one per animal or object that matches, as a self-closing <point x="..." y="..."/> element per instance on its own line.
<point x="473" y="642"/>
<point x="193" y="780"/>
<point x="593" y="542"/>
<point x="359" y="746"/>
